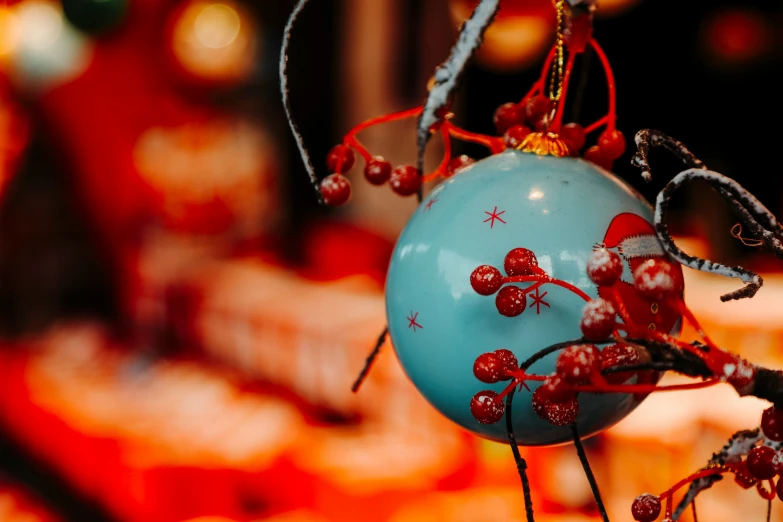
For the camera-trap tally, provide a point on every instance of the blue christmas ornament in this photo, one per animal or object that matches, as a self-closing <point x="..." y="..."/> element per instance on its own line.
<point x="559" y="209"/>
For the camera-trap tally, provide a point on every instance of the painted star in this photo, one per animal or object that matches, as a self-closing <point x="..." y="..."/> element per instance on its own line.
<point x="493" y="216"/>
<point x="412" y="321"/>
<point x="538" y="300"/>
<point x="429" y="204"/>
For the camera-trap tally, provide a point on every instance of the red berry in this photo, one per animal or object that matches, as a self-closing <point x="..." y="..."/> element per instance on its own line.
<point x="458" y="163"/>
<point x="742" y="476"/>
<point x="759" y="462"/>
<point x="509" y="360"/>
<point x="616" y="355"/>
<point x="772" y="424"/>
<point x="488" y="368"/>
<point x="515" y="136"/>
<point x="574" y="136"/>
<point x="508" y="115"/>
<point x="646" y="508"/>
<point x="658" y="280"/>
<point x="556" y="390"/>
<point x="485" y="408"/>
<point x="486" y="280"/>
<point x="377" y="171"/>
<point x="340" y="159"/>
<point x="612" y="143"/>
<point x="559" y="414"/>
<point x="576" y="364"/>
<point x="335" y="189"/>
<point x="597" y="156"/>
<point x="538" y="110"/>
<point x="520" y="262"/>
<point x="598" y="319"/>
<point x="604" y="267"/>
<point x="511" y="301"/>
<point x="405" y="180"/>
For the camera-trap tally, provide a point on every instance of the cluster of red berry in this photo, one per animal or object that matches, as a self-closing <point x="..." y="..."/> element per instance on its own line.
<point x="511" y="300"/>
<point x="762" y="462"/>
<point x="515" y="121"/>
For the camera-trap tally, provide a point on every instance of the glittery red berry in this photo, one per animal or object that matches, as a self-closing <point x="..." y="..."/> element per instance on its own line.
<point x="574" y="136"/>
<point x="598" y="319"/>
<point x="377" y="171"/>
<point x="537" y="112"/>
<point x="508" y="115"/>
<point x="742" y="476"/>
<point x="604" y="267"/>
<point x="486" y="280"/>
<point x="511" y="301"/>
<point x="340" y="159"/>
<point x="759" y="462"/>
<point x="458" y="163"/>
<point x="597" y="156"/>
<point x="488" y="368"/>
<point x="515" y="136"/>
<point x="577" y="363"/>
<point x="520" y="262"/>
<point x="559" y="414"/>
<point x="612" y="143"/>
<point x="617" y="355"/>
<point x="658" y="280"/>
<point x="772" y="424"/>
<point x="405" y="180"/>
<point x="485" y="408"/>
<point x="646" y="508"/>
<point x="335" y="189"/>
<point x="556" y="390"/>
<point x="508" y="359"/>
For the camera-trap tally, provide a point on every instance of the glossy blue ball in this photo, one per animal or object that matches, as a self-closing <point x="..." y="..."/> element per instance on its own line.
<point x="559" y="208"/>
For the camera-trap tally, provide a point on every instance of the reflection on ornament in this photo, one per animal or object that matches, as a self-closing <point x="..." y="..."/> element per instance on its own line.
<point x="735" y="36"/>
<point x="214" y="41"/>
<point x="559" y="209"/>
<point x="194" y="165"/>
<point x="47" y="51"/>
<point x="95" y="16"/>
<point x="521" y="32"/>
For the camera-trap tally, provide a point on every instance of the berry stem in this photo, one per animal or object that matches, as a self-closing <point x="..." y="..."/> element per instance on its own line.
<point x="597" y="124"/>
<point x="610" y="84"/>
<point x="643" y="388"/>
<point x="444" y="164"/>
<point x="543" y="279"/>
<point x="358" y="146"/>
<point x="561" y="104"/>
<point x="495" y="145"/>
<point x="687" y="480"/>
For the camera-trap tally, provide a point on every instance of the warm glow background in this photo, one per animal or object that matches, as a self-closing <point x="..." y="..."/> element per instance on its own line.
<point x="180" y="324"/>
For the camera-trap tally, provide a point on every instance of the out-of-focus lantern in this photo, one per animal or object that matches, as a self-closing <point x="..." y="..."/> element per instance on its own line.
<point x="736" y="36"/>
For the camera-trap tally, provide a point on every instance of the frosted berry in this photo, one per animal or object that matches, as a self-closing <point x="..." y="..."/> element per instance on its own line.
<point x="377" y="171"/>
<point x="617" y="355"/>
<point x="520" y="262"/>
<point x="612" y="143"/>
<point x="604" y="267"/>
<point x="595" y="155"/>
<point x="759" y="462"/>
<point x="458" y="163"/>
<point x="556" y="389"/>
<point x="772" y="424"/>
<point x="405" y="180"/>
<point x="559" y="414"/>
<point x="576" y="363"/>
<point x="598" y="319"/>
<point x="486" y="280"/>
<point x="509" y="361"/>
<point x="340" y="159"/>
<point x="515" y="136"/>
<point x="646" y="508"/>
<point x="537" y="112"/>
<point x="777" y="462"/>
<point x="508" y="115"/>
<point x="335" y="189"/>
<point x="485" y="408"/>
<point x="511" y="301"/>
<point x="658" y="280"/>
<point x="574" y="136"/>
<point x="488" y="368"/>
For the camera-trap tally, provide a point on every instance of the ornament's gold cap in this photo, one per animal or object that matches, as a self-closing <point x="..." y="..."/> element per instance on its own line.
<point x="544" y="144"/>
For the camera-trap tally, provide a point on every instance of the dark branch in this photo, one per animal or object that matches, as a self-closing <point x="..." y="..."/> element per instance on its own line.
<point x="370" y="360"/>
<point x="580" y="450"/>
